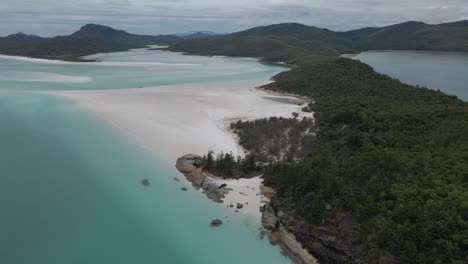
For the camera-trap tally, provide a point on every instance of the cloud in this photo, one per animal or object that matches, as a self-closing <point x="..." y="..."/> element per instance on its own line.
<point x="52" y="17"/>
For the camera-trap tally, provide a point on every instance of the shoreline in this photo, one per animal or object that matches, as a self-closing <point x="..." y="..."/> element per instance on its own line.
<point x="172" y="120"/>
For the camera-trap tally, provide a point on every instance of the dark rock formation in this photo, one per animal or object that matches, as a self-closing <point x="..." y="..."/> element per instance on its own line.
<point x="262" y="234"/>
<point x="192" y="167"/>
<point x="216" y="222"/>
<point x="145" y="182"/>
<point x="239" y="206"/>
<point x="184" y="188"/>
<point x="328" y="243"/>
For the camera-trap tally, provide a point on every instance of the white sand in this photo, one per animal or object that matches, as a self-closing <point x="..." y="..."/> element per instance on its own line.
<point x="100" y="63"/>
<point x="246" y="192"/>
<point x="175" y="120"/>
<point x="172" y="121"/>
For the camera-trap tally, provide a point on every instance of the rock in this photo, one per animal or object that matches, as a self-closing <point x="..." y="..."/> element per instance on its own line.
<point x="216" y="223"/>
<point x="176" y="179"/>
<point x="262" y="234"/>
<point x="192" y="168"/>
<point x="188" y="163"/>
<point x="269" y="220"/>
<point x="145" y="182"/>
<point x="213" y="193"/>
<point x="222" y="186"/>
<point x="239" y="206"/>
<point x="274" y="238"/>
<point x="184" y="188"/>
<point x="267" y="191"/>
<point x="231" y="205"/>
<point x="281" y="214"/>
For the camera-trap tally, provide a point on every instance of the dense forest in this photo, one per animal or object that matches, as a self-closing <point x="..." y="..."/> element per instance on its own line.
<point x="391" y="155"/>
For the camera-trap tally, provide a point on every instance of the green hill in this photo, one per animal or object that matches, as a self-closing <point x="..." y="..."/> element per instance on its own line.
<point x="412" y="36"/>
<point x="89" y="39"/>
<point x="296" y="43"/>
<point x="388" y="157"/>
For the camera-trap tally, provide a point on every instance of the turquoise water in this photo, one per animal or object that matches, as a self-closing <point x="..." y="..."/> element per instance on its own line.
<point x="133" y="69"/>
<point x="445" y="71"/>
<point x="70" y="186"/>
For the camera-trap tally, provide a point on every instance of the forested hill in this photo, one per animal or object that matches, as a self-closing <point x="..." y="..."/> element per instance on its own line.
<point x="294" y="42"/>
<point x="290" y="42"/>
<point x="89" y="39"/>
<point x="385" y="179"/>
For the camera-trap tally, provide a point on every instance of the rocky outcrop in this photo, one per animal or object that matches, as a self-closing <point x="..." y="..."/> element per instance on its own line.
<point x="327" y="243"/>
<point x="279" y="235"/>
<point x="216" y="223"/>
<point x="267" y="191"/>
<point x="145" y="182"/>
<point x="192" y="167"/>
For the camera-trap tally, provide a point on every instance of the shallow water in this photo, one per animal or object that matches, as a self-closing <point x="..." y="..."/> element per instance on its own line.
<point x="132" y="69"/>
<point x="70" y="186"/>
<point x="445" y="71"/>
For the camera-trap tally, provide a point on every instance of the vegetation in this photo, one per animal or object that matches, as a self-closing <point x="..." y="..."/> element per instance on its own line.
<point x="228" y="166"/>
<point x="393" y="155"/>
<point x="297" y="44"/>
<point x="276" y="139"/>
<point x="90" y="39"/>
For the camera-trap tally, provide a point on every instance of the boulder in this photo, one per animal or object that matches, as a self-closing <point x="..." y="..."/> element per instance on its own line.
<point x="269" y="219"/>
<point x="267" y="191"/>
<point x="145" y="182"/>
<point x="216" y="222"/>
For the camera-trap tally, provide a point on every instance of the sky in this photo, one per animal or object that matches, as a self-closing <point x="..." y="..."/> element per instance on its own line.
<point x="62" y="17"/>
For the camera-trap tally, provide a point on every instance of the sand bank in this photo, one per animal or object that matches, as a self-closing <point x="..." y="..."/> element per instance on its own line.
<point x="171" y="121"/>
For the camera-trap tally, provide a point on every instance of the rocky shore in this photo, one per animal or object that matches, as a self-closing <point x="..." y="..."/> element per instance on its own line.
<point x="329" y="242"/>
<point x="192" y="167"/>
<point x="281" y="229"/>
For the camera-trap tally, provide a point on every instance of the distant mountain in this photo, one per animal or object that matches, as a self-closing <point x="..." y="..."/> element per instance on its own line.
<point x="289" y="42"/>
<point x="293" y="42"/>
<point x="412" y="36"/>
<point x="93" y="31"/>
<point x="282" y="42"/>
<point x="198" y="34"/>
<point x="89" y="39"/>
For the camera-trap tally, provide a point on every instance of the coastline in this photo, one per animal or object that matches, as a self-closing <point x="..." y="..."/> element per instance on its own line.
<point x="170" y="121"/>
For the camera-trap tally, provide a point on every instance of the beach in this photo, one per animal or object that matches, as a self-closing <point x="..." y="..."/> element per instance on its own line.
<point x="112" y="125"/>
<point x="172" y="121"/>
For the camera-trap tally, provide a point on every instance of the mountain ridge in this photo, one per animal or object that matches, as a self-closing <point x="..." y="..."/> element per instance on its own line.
<point x="290" y="42"/>
<point x="89" y="39"/>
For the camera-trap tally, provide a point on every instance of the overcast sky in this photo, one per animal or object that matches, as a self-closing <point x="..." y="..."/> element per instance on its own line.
<point x="60" y="17"/>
